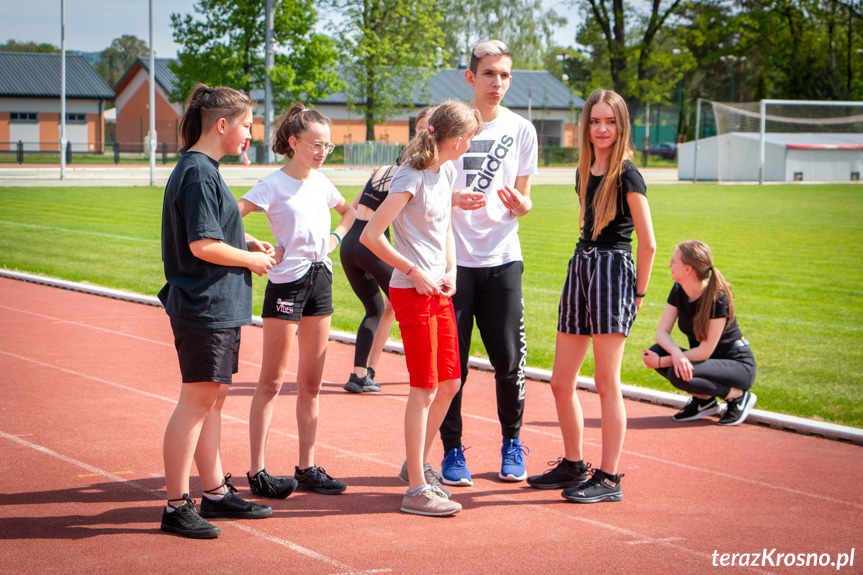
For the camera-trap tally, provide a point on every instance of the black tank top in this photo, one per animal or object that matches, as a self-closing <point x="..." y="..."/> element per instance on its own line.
<point x="376" y="190"/>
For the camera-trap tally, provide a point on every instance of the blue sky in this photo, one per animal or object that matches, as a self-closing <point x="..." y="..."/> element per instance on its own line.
<point x="92" y="24"/>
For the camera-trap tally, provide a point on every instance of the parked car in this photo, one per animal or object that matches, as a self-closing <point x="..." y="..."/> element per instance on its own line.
<point x="665" y="150"/>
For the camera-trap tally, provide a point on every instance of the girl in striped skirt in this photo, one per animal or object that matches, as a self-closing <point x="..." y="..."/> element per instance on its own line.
<point x="603" y="291"/>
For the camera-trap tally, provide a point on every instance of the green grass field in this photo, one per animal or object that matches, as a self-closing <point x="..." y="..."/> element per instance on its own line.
<point x="792" y="253"/>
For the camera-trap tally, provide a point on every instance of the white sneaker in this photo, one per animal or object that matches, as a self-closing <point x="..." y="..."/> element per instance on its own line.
<point x="432" y="477"/>
<point x="429" y="502"/>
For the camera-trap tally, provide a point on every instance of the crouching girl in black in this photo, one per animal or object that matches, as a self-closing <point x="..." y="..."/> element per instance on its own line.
<point x="718" y="363"/>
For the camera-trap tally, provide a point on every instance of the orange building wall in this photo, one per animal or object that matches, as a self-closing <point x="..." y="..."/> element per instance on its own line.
<point x="133" y="121"/>
<point x="570" y="135"/>
<point x="49" y="128"/>
<point x="4" y="126"/>
<point x="343" y="131"/>
<point x="95" y="133"/>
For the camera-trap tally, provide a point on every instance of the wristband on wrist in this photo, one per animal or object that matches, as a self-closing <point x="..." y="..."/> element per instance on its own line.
<point x="641" y="295"/>
<point x="410" y="270"/>
<point x="338" y="237"/>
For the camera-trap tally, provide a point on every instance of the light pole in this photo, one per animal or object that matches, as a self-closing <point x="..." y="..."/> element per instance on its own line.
<point x="676" y="52"/>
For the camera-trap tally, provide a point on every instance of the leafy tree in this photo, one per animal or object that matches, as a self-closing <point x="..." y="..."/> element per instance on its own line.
<point x="119" y="56"/>
<point x="227" y="48"/>
<point x="16" y="46"/>
<point x="522" y="25"/>
<point x="633" y="65"/>
<point x="390" y="48"/>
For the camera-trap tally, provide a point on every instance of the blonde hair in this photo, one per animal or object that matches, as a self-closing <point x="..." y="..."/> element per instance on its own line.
<point x="698" y="256"/>
<point x="204" y="108"/>
<point x="487" y="48"/>
<point x="607" y="196"/>
<point x="452" y="119"/>
<point x="296" y="121"/>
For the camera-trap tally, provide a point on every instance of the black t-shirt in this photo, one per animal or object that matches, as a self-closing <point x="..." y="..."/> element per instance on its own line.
<point x="617" y="235"/>
<point x="198" y="205"/>
<point x="686" y="313"/>
<point x="376" y="190"/>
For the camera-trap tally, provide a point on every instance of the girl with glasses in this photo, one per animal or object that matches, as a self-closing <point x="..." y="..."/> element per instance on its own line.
<point x="297" y="200"/>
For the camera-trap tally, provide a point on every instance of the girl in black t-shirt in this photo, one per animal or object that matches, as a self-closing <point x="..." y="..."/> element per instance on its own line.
<point x="719" y="362"/>
<point x="602" y="293"/>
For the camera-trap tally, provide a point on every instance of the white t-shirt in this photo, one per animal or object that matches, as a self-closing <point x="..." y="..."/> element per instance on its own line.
<point x="504" y="150"/>
<point x="299" y="215"/>
<point x="419" y="230"/>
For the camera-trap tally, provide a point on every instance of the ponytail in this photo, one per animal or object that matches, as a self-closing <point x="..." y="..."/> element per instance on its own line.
<point x="697" y="255"/>
<point x="296" y="121"/>
<point x="452" y="119"/>
<point x="204" y="108"/>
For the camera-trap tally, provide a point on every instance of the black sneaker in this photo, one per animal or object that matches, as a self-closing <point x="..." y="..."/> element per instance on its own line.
<point x="186" y="522"/>
<point x="316" y="479"/>
<point x="357" y="384"/>
<point x="263" y="484"/>
<point x="232" y="507"/>
<point x="738" y="409"/>
<point x="563" y="474"/>
<point x="600" y="487"/>
<point x="697" y="408"/>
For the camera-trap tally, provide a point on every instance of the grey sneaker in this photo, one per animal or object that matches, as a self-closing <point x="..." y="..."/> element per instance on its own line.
<point x="432" y="478"/>
<point x="429" y="502"/>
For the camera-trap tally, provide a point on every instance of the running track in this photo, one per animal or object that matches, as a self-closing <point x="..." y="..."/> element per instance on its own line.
<point x="89" y="384"/>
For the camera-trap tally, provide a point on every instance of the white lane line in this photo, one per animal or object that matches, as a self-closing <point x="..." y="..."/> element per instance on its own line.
<point x="158" y="496"/>
<point x="82" y="232"/>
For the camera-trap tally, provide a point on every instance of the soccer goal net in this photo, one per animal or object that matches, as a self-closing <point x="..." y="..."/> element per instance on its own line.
<point x="786" y="141"/>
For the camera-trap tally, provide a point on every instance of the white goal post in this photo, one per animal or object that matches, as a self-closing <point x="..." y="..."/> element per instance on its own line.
<point x="781" y="140"/>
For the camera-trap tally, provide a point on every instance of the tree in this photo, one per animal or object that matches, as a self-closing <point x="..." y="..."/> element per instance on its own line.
<point x="119" y="56"/>
<point x="227" y="48"/>
<point x="631" y="63"/>
<point x="390" y="48"/>
<point x="466" y="23"/>
<point x="16" y="46"/>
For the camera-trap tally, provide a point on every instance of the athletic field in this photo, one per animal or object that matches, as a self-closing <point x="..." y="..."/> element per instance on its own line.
<point x="792" y="252"/>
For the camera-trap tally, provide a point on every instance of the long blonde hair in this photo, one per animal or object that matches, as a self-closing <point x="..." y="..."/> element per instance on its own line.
<point x="607" y="196"/>
<point x="451" y="119"/>
<point x="698" y="256"/>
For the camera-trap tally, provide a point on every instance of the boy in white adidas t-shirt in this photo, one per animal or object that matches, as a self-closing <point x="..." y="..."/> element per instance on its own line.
<point x="492" y="192"/>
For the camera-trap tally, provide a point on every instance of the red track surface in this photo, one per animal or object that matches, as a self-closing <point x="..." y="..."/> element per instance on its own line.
<point x="89" y="384"/>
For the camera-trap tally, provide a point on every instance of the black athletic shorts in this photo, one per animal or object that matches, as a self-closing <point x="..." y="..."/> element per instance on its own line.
<point x="207" y="354"/>
<point x="312" y="294"/>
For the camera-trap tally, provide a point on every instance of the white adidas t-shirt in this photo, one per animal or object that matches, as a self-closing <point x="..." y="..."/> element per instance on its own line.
<point x="299" y="215"/>
<point x="505" y="149"/>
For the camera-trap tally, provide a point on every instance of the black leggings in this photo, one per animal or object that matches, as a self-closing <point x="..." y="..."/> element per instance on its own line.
<point x="714" y="377"/>
<point x="368" y="275"/>
<point x="493" y="296"/>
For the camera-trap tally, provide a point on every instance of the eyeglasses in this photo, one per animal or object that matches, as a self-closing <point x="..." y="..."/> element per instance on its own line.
<point x="320" y="146"/>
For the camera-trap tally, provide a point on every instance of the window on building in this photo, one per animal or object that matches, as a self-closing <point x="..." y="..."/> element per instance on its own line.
<point x="24" y="117"/>
<point x="76" y="118"/>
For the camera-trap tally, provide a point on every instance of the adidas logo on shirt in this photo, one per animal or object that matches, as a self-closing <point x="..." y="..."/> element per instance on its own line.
<point x="482" y="161"/>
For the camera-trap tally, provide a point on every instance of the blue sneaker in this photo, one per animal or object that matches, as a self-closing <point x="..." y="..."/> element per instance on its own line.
<point x="512" y="467"/>
<point x="453" y="468"/>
